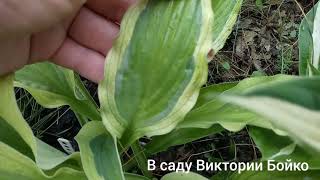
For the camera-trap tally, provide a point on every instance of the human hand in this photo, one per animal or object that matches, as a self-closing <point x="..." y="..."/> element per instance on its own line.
<point x="70" y="33"/>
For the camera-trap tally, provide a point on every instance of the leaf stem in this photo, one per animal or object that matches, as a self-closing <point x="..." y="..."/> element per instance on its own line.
<point x="141" y="158"/>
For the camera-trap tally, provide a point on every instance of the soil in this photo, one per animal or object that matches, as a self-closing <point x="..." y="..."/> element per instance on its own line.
<point x="264" y="41"/>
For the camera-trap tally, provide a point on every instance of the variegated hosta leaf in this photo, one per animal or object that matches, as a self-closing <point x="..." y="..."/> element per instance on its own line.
<point x="179" y="137"/>
<point x="316" y="39"/>
<point x="14" y="165"/>
<point x="307" y="50"/>
<point x="226" y="14"/>
<point x="53" y="86"/>
<point x="211" y="110"/>
<point x="281" y="148"/>
<point x="99" y="153"/>
<point x="14" y="130"/>
<point x="156" y="67"/>
<point x="235" y="118"/>
<point x="277" y="175"/>
<point x="22" y="156"/>
<point x="183" y="176"/>
<point x="266" y="174"/>
<point x="291" y="106"/>
<point x="50" y="159"/>
<point x="210" y="113"/>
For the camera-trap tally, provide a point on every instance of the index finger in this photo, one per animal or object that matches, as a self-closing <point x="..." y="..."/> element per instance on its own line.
<point x="111" y="9"/>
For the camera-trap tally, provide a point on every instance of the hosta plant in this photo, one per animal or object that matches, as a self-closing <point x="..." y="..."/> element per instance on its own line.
<point x="153" y="87"/>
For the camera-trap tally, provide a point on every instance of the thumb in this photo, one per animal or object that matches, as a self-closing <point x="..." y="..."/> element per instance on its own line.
<point x="31" y="16"/>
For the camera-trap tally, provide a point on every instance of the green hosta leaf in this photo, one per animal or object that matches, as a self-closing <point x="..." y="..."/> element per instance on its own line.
<point x="14" y="165"/>
<point x="292" y="106"/>
<point x="306" y="42"/>
<point x="179" y="137"/>
<point x="226" y="14"/>
<point x="53" y="86"/>
<point x="183" y="176"/>
<point x="99" y="153"/>
<point x="156" y="67"/>
<point x="281" y="148"/>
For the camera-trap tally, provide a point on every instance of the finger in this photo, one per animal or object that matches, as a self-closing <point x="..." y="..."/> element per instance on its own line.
<point x="14" y="53"/>
<point x="52" y="38"/>
<point x="32" y="16"/>
<point x="112" y="9"/>
<point x="93" y="31"/>
<point x="86" y="62"/>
